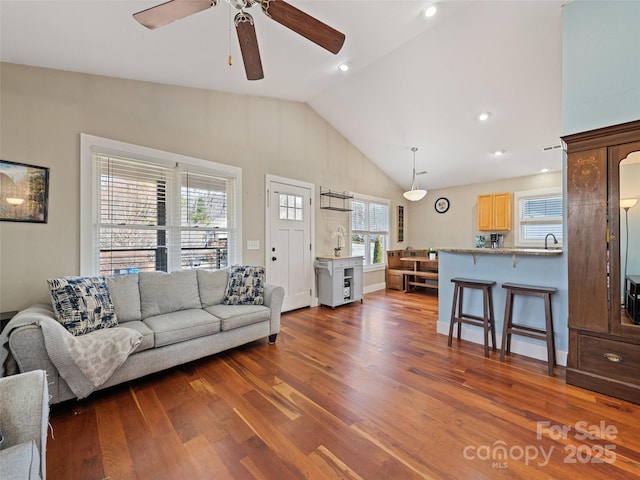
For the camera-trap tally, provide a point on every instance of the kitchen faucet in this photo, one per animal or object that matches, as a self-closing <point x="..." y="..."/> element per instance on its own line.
<point x="555" y="240"/>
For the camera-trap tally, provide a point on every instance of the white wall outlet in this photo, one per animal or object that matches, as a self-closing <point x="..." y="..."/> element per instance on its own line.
<point x="253" y="244"/>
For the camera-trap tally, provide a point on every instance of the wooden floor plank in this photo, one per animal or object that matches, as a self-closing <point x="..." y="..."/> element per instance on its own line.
<point x="364" y="391"/>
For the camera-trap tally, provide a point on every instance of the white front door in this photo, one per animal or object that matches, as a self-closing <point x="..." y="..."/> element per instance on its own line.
<point x="289" y="241"/>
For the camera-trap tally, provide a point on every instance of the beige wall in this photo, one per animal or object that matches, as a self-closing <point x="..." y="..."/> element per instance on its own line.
<point x="457" y="227"/>
<point x="44" y="111"/>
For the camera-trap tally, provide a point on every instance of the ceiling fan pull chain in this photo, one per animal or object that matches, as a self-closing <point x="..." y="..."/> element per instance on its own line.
<point x="230" y="59"/>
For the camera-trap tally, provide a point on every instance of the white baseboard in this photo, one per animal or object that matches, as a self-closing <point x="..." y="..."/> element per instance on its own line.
<point x="375" y="287"/>
<point x="532" y="350"/>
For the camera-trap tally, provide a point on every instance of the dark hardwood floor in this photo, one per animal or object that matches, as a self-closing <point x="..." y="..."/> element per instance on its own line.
<point x="365" y="391"/>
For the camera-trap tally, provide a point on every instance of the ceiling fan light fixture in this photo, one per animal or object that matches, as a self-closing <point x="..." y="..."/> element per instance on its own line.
<point x="416" y="193"/>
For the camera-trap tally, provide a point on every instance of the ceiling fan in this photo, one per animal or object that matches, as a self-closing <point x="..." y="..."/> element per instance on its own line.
<point x="285" y="14"/>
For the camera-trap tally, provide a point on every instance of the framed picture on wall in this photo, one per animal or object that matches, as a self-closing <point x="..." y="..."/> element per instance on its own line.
<point x="400" y="223"/>
<point x="24" y="192"/>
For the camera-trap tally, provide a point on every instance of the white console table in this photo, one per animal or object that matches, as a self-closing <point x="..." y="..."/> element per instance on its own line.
<point x="339" y="280"/>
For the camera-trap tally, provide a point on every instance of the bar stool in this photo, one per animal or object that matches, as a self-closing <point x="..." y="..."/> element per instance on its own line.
<point x="510" y="328"/>
<point x="458" y="317"/>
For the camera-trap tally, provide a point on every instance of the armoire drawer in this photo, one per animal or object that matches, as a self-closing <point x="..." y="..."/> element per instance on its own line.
<point x="609" y="358"/>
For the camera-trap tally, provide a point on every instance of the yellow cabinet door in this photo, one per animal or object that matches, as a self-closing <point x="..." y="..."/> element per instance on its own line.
<point x="502" y="211"/>
<point x="494" y="212"/>
<point x="485" y="212"/>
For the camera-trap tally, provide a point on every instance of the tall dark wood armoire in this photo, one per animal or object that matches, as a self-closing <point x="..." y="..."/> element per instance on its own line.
<point x="604" y="343"/>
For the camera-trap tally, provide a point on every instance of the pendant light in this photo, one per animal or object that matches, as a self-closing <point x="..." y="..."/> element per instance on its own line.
<point x="415" y="193"/>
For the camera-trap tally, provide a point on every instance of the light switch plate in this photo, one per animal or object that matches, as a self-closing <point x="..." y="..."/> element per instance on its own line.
<point x="253" y="244"/>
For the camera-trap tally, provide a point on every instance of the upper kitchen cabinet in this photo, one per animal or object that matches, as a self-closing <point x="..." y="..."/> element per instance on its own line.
<point x="494" y="212"/>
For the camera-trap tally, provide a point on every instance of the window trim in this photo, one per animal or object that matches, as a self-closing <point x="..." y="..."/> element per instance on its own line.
<point x="90" y="144"/>
<point x="381" y="201"/>
<point x="541" y="192"/>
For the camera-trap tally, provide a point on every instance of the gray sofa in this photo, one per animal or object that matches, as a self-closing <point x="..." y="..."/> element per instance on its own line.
<point x="180" y="317"/>
<point x="24" y="416"/>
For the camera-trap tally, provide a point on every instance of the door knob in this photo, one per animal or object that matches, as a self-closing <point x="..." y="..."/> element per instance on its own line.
<point x="273" y="259"/>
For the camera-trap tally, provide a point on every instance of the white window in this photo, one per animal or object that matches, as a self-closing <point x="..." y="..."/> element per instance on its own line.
<point x="154" y="211"/>
<point x="370" y="230"/>
<point x="539" y="213"/>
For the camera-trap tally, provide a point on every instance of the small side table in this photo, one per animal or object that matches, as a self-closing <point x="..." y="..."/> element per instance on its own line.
<point x="5" y="317"/>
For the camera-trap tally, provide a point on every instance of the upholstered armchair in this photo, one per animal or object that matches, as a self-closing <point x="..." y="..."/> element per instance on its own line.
<point x="24" y="416"/>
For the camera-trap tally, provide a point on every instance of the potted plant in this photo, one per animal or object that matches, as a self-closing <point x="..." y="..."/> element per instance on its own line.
<point x="339" y="236"/>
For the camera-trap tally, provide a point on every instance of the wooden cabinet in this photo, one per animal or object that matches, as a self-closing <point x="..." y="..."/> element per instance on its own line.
<point x="396" y="267"/>
<point x="604" y="343"/>
<point x="494" y="212"/>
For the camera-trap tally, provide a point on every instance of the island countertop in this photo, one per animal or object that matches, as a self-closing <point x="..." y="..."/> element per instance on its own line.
<point x="506" y="251"/>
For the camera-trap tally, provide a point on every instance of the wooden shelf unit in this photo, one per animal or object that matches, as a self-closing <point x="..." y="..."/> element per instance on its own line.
<point x="400" y="274"/>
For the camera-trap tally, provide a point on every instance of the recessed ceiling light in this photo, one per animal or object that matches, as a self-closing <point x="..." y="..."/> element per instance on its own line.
<point x="430" y="11"/>
<point x="544" y="170"/>
<point x="484" y="116"/>
<point x="343" y="67"/>
<point x="498" y="153"/>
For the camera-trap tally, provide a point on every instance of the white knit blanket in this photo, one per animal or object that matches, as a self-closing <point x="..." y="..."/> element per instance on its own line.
<point x="86" y="361"/>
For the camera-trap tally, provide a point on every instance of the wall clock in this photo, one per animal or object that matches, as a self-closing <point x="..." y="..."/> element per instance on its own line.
<point x="441" y="205"/>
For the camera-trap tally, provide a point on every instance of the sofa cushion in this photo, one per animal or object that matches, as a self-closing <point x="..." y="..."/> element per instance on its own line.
<point x="246" y="285"/>
<point x="183" y="325"/>
<point x="82" y="304"/>
<point x="212" y="285"/>
<point x="147" y="334"/>
<point x="235" y="316"/>
<point x="21" y="461"/>
<point x="168" y="292"/>
<point x="125" y="296"/>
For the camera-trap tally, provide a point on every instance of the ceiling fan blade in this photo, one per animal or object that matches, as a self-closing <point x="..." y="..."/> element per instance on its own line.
<point x="249" y="46"/>
<point x="309" y="27"/>
<point x="171" y="11"/>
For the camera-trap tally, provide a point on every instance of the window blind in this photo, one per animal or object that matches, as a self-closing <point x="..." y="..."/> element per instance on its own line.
<point x="540" y="216"/>
<point x="155" y="217"/>
<point x="132" y="215"/>
<point x="369" y="230"/>
<point x="204" y="220"/>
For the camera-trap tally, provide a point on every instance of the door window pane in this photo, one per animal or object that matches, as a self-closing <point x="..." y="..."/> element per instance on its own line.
<point x="290" y="207"/>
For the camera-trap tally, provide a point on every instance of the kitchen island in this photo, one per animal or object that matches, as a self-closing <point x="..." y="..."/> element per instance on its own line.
<point x="529" y="266"/>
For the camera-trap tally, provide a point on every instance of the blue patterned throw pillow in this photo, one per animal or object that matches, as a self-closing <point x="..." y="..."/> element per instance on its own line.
<point x="82" y="304"/>
<point x="246" y="285"/>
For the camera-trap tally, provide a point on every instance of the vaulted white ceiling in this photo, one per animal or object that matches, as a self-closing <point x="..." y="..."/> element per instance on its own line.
<point x="414" y="81"/>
